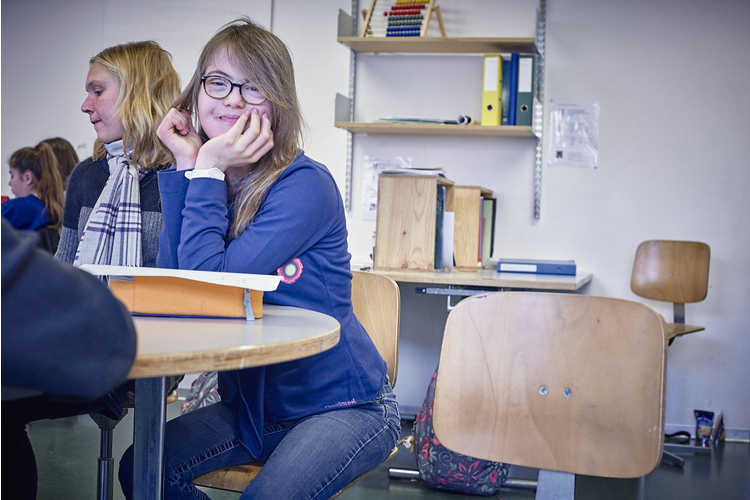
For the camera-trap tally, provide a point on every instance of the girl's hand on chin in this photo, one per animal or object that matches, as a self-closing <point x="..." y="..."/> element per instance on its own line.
<point x="177" y="133"/>
<point x="236" y="148"/>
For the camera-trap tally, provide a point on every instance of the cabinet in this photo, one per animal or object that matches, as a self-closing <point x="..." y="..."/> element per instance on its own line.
<point x="344" y="114"/>
<point x="408" y="227"/>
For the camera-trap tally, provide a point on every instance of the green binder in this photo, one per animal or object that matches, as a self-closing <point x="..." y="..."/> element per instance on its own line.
<point x="526" y="87"/>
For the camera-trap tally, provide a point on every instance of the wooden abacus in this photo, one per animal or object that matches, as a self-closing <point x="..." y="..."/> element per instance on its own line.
<point x="400" y="18"/>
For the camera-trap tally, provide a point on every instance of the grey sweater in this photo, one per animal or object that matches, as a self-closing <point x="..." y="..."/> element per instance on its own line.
<point x="86" y="184"/>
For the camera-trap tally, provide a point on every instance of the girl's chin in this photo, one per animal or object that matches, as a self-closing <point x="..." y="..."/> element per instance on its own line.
<point x="218" y="128"/>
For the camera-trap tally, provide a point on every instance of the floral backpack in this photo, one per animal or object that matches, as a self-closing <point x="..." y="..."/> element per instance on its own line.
<point x="444" y="469"/>
<point x="203" y="392"/>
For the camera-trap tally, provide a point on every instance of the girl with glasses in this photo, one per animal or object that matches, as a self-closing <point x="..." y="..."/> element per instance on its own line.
<point x="244" y="198"/>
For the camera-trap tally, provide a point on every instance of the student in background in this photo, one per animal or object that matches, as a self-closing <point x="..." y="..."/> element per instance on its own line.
<point x="130" y="87"/>
<point x="112" y="213"/>
<point x="245" y="198"/>
<point x="66" y="341"/>
<point x="66" y="155"/>
<point x="38" y="205"/>
<point x="112" y="210"/>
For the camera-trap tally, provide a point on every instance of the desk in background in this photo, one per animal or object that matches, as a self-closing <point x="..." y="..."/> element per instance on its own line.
<point x="172" y="346"/>
<point x="423" y="316"/>
<point x="492" y="279"/>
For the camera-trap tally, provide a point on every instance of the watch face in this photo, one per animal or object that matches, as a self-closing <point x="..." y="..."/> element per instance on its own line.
<point x="215" y="173"/>
<point x="211" y="173"/>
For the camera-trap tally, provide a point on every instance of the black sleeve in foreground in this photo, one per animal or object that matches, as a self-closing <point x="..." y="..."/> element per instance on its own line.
<point x="62" y="330"/>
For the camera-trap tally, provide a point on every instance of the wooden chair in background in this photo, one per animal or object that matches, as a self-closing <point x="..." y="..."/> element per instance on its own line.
<point x="377" y="304"/>
<point x="568" y="384"/>
<point x="672" y="271"/>
<point x="677" y="272"/>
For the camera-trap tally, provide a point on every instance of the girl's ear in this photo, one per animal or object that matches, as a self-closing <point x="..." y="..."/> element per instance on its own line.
<point x="28" y="178"/>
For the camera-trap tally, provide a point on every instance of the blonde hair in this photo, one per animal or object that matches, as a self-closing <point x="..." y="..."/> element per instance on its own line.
<point x="148" y="87"/>
<point x="265" y="58"/>
<point x="42" y="164"/>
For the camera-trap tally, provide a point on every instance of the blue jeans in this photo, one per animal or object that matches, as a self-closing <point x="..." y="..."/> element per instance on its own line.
<point x="312" y="457"/>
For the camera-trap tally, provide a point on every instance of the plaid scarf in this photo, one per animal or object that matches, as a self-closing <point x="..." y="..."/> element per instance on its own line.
<point x="113" y="232"/>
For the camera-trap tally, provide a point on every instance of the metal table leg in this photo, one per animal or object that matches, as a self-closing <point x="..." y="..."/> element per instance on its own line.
<point x="149" y="422"/>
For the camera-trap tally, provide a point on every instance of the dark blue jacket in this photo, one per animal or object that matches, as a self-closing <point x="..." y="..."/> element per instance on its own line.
<point x="63" y="332"/>
<point x="27" y="213"/>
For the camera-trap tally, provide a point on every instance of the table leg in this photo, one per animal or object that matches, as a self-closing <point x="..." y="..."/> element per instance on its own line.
<point x="148" y="437"/>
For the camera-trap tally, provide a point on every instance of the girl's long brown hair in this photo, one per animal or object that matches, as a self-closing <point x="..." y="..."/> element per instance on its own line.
<point x="266" y="59"/>
<point x="66" y="155"/>
<point x="41" y="162"/>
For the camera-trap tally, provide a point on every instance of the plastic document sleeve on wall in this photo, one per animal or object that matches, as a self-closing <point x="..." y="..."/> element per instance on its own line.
<point x="373" y="168"/>
<point x="574" y="138"/>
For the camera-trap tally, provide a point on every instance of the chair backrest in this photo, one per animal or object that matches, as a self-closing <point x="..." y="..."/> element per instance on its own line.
<point x="377" y="304"/>
<point x="562" y="382"/>
<point x="671" y="271"/>
<point x="49" y="239"/>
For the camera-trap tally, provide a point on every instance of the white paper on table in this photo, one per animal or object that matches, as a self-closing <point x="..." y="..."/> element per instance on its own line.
<point x="261" y="282"/>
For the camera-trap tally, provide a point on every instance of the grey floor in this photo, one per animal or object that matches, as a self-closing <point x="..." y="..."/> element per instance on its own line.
<point x="67" y="450"/>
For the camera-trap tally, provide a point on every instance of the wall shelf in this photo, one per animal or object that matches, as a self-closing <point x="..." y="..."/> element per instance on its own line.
<point x="344" y="112"/>
<point x="435" y="129"/>
<point x="425" y="45"/>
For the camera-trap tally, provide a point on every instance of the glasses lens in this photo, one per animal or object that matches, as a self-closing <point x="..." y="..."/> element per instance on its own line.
<point x="217" y="86"/>
<point x="252" y="95"/>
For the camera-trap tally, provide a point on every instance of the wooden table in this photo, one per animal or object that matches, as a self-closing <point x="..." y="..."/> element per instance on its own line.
<point x="173" y="346"/>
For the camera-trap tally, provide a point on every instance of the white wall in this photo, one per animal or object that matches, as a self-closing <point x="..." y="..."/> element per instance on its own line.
<point x="47" y="44"/>
<point x="671" y="77"/>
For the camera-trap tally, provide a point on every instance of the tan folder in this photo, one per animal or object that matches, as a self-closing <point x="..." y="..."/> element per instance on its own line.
<point x="161" y="295"/>
<point x="169" y="292"/>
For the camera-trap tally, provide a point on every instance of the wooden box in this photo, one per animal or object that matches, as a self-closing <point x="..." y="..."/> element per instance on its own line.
<point x="407" y="222"/>
<point x="405" y="228"/>
<point x="467" y="206"/>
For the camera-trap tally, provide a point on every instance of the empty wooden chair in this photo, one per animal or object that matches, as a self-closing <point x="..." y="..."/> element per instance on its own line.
<point x="568" y="384"/>
<point x="377" y="304"/>
<point x="677" y="272"/>
<point x="672" y="271"/>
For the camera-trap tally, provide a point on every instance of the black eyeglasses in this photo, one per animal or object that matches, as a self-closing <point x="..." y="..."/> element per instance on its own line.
<point x="219" y="87"/>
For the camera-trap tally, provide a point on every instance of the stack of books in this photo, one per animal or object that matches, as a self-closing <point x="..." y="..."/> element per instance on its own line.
<point x="564" y="267"/>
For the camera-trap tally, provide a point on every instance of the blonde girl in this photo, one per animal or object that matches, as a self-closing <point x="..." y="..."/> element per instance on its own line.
<point x="112" y="211"/>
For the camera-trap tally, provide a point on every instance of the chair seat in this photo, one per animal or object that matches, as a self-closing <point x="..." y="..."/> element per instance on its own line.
<point x="677" y="329"/>
<point x="171" y="398"/>
<point x="232" y="478"/>
<point x="237" y="477"/>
